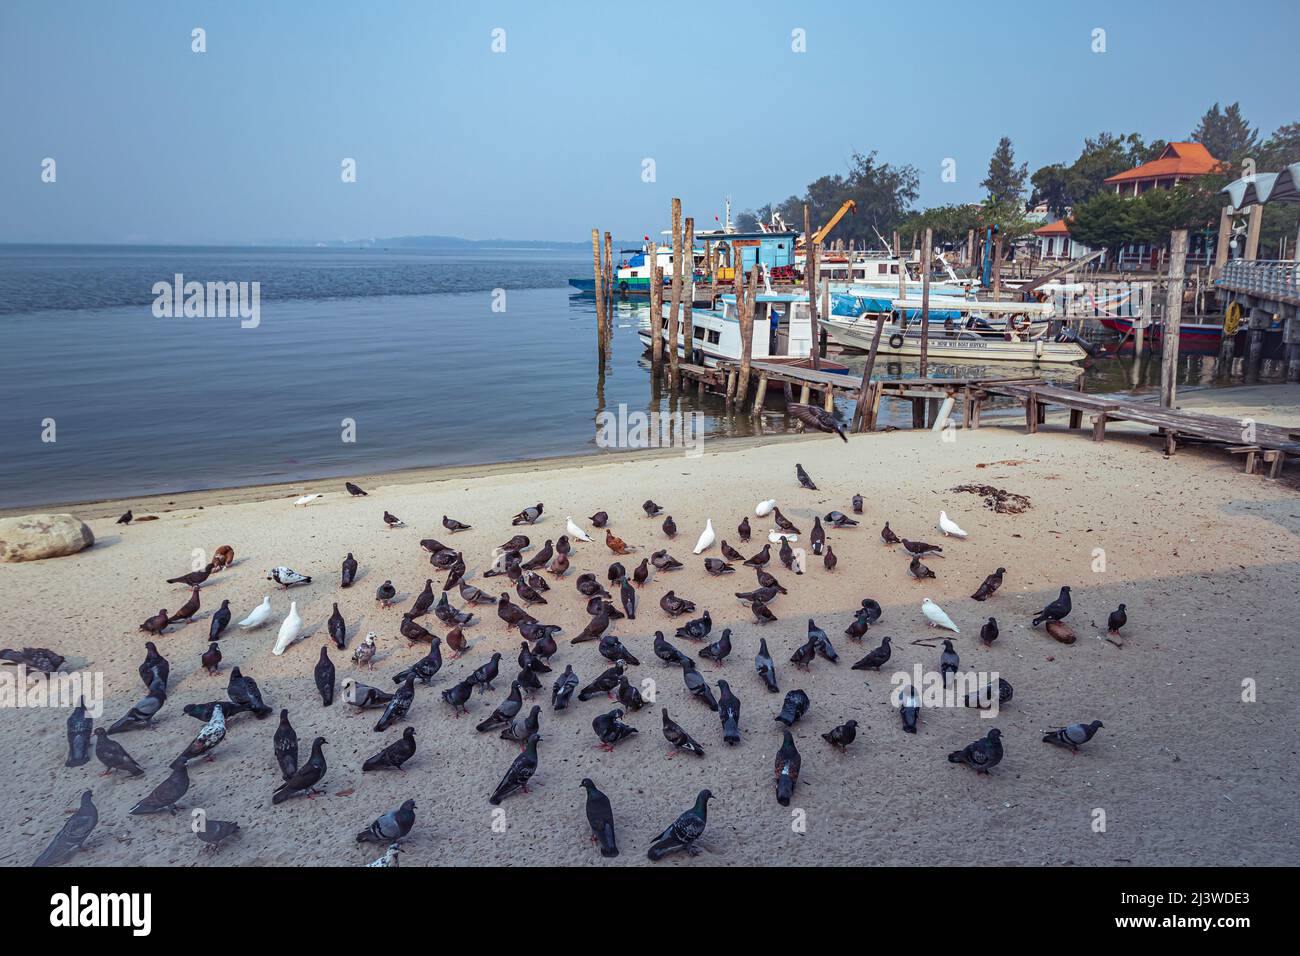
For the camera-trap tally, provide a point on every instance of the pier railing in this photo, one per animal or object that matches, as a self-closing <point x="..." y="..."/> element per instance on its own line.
<point x="1276" y="279"/>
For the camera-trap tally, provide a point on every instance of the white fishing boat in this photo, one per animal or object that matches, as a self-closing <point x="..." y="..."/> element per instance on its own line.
<point x="970" y="338"/>
<point x="782" y="332"/>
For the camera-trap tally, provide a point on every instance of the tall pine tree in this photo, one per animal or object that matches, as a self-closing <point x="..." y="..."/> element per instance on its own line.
<point x="1227" y="136"/>
<point x="1006" y="180"/>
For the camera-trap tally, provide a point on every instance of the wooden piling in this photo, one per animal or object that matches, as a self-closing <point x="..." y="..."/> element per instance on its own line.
<point x="656" y="310"/>
<point x="997" y="266"/>
<point x="970" y="248"/>
<point x="1253" y="222"/>
<point x="902" y="268"/>
<point x="862" y="420"/>
<point x="926" y="247"/>
<point x="810" y="282"/>
<point x="674" y="311"/>
<point x="688" y="273"/>
<point x="1173" y="316"/>
<point x="1221" y="243"/>
<point x="746" y="319"/>
<point x="600" y="290"/>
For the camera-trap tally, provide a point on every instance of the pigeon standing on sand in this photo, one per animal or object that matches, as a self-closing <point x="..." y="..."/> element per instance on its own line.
<point x="324" y="676"/>
<point x="802" y="476"/>
<point x="949" y="527"/>
<point x="354" y="490"/>
<point x="1072" y="736"/>
<point x="287" y="577"/>
<point x="338" y="628"/>
<point x="286" y="746"/>
<point x="787" y="766"/>
<point x="398" y="707"/>
<point x="188" y="609"/>
<point x="385" y="593"/>
<point x="244" y="690"/>
<point x="211" y="658"/>
<point x="290" y="628"/>
<point x="220" y="621"/>
<point x="795" y="706"/>
<point x="158" y="623"/>
<point x="706" y="539"/>
<point x="1118" y="618"/>
<point x="676" y="735"/>
<point x="651" y="509"/>
<point x="682" y="833"/>
<point x="876" y="659"/>
<point x="364" y="655"/>
<point x="258" y="616"/>
<point x="909" y="708"/>
<point x="843" y="735"/>
<point x="887" y="535"/>
<point x="194" y="578"/>
<point x="126" y="518"/>
<point x="213" y="732"/>
<point x="166" y="795"/>
<point x="390" y="827"/>
<point x="990" y="586"/>
<point x="600" y="817"/>
<point x="113" y="755"/>
<point x="305" y="778"/>
<point x="989" y="632"/>
<point x="452" y="525"/>
<point x="143" y="713"/>
<point x="743" y="530"/>
<point x="349" y="572"/>
<point x="829" y="560"/>
<point x="574" y="531"/>
<point x="857" y="504"/>
<point x="1058" y="610"/>
<point x="817" y="537"/>
<point x="520" y="772"/>
<point x="937" y="616"/>
<point x="505" y="711"/>
<point x="72" y="834"/>
<point x="697" y="685"/>
<point x="918" y="570"/>
<point x="948" y="663"/>
<point x="395" y="754"/>
<point x="728" y="713"/>
<point x="610" y="729"/>
<point x="982" y="755"/>
<point x="426" y="668"/>
<point x="719" y="649"/>
<point x="562" y="690"/>
<point x="765" y="667"/>
<point x="528" y="515"/>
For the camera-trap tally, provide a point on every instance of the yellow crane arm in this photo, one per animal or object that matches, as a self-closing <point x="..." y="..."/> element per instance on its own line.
<point x="848" y="206"/>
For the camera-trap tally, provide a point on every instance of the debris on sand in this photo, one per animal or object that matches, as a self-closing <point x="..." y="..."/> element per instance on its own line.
<point x="998" y="499"/>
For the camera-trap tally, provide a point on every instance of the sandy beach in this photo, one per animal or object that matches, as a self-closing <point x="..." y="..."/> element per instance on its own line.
<point x="1185" y="772"/>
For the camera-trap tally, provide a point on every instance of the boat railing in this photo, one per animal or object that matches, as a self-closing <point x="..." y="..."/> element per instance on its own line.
<point x="1274" y="279"/>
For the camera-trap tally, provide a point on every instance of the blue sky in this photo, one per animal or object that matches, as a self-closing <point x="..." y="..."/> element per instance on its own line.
<point x="244" y="142"/>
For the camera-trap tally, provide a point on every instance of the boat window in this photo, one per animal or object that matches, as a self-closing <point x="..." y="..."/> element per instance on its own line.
<point x="699" y="331"/>
<point x="714" y="336"/>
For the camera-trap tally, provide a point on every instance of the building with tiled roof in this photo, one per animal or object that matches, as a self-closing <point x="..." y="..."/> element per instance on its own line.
<point x="1177" y="162"/>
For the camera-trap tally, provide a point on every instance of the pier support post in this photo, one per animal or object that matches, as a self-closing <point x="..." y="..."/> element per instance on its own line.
<point x="804" y="394"/>
<point x="746" y="319"/>
<point x="810" y="283"/>
<point x="656" y="310"/>
<point x="674" y="312"/>
<point x="688" y="274"/>
<point x="760" y="394"/>
<point x="1173" y="318"/>
<point x="926" y="249"/>
<point x="599" y="274"/>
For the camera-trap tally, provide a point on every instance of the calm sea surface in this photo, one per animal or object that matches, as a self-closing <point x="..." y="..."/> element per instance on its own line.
<point x="404" y="343"/>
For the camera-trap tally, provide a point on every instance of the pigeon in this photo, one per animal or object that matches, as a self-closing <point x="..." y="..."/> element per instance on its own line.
<point x="338" y="628"/>
<point x="937" y="616"/>
<point x="80" y="726"/>
<point x="393" y="521"/>
<point x="390" y="827"/>
<point x="651" y="509"/>
<point x="324" y="676"/>
<point x="434" y="546"/>
<point x="452" y="525"/>
<point x="605" y="683"/>
<point x="519" y="773"/>
<point x="213" y="732"/>
<point x="706" y="539"/>
<point x="697" y="685"/>
<point x="919" y="549"/>
<point x="663" y="561"/>
<point x="829" y="560"/>
<point x="982" y="755"/>
<point x="458" y="696"/>
<point x="719" y="649"/>
<point x="505" y="711"/>
<point x="697" y="629"/>
<point x="786" y="554"/>
<point x="989" y="632"/>
<point x="679" y="738"/>
<point x="843" y="735"/>
<point x="761" y="558"/>
<point x="948" y="663"/>
<point x="616" y="544"/>
<point x="527" y="594"/>
<point x="666" y="652"/>
<point x="307" y="499"/>
<point x="1073" y="736"/>
<point x="784" y="523"/>
<point x="113" y="755"/>
<point x="143" y="713"/>
<point x="982" y="698"/>
<point x="728" y="713"/>
<point x="542" y="634"/>
<point x="385" y="593"/>
<point x="802" y="476"/>
<point x="730" y="553"/>
<point x="817" y="419"/>
<point x="65" y="844"/>
<point x="244" y="690"/>
<point x="822" y="642"/>
<point x="950" y="527"/>
<point x="800" y="562"/>
<point x="804" y="654"/>
<point x="857" y="504"/>
<point x="511" y="614"/>
<point x="768" y="580"/>
<point x="574" y="531"/>
<point x="765" y="667"/>
<point x="858" y="628"/>
<point x="539" y="559"/>
<point x="670" y="527"/>
<point x="600" y="817"/>
<point x="290" y="628"/>
<point x="166" y="794"/>
<point x="786" y="769"/>
<point x="126" y="518"/>
<point x="872" y="610"/>
<point x="223" y="557"/>
<point x="364" y="655"/>
<point x="194" y="578"/>
<point x="485" y="674"/>
<point x="188" y="609"/>
<point x="286" y="746"/>
<point x="528" y="515"/>
<point x="211" y="658"/>
<point x="353" y="490"/>
<point x="762" y="613"/>
<point x="764" y="595"/>
<point x="682" y="833"/>
<point x="1058" y="610"/>
<point x="876" y="659"/>
<point x="363" y="696"/>
<point x="562" y="689"/>
<point x="1117" y="619"/>
<point x="612" y="649"/>
<point x="220" y="621"/>
<point x="743" y="530"/>
<point x="287" y="577"/>
<point x="588" y="586"/>
<point x="990" y="586"/>
<point x="155" y="666"/>
<point x="610" y="730"/>
<point x="158" y="623"/>
<point x="918" y="570"/>
<point x="717" y="567"/>
<point x="258" y="616"/>
<point x="215" y="832"/>
<point x="887" y="535"/>
<point x="395" y="754"/>
<point x="909" y="708"/>
<point x="628" y="695"/>
<point x="423" y="601"/>
<point x="675" y="606"/>
<point x="817" y="537"/>
<point x="521" y="728"/>
<point x="449" y="558"/>
<point x="599" y="519"/>
<point x="305" y="778"/>
<point x="595" y="627"/>
<point x="457" y="642"/>
<point x="425" y="668"/>
<point x="398" y="707"/>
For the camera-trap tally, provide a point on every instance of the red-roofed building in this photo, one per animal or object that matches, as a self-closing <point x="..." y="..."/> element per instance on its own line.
<point x="1177" y="162"/>
<point x="1054" y="242"/>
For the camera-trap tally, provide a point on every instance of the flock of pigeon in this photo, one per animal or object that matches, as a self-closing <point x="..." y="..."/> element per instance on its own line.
<point x="536" y="580"/>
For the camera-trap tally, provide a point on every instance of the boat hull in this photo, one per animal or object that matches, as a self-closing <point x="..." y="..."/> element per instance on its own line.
<point x="966" y="348"/>
<point x="1189" y="334"/>
<point x="711" y="358"/>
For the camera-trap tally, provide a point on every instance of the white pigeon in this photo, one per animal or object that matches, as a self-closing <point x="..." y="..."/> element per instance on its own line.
<point x="575" y="531"/>
<point x="389" y="858"/>
<point x="289" y="630"/>
<point x="950" y="527"/>
<point x="937" y="616"/>
<point x="259" y="615"/>
<point x="776" y="537"/>
<point x="799" y="562"/>
<point x="706" y="538"/>
<point x="765" y="508"/>
<point x="305" y="499"/>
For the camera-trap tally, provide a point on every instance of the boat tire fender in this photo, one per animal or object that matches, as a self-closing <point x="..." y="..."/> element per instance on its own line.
<point x="896" y="341"/>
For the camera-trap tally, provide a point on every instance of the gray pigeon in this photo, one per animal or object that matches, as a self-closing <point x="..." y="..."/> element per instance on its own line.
<point x="79" y="727"/>
<point x="72" y="835"/>
<point x="682" y="833"/>
<point x="981" y="756"/>
<point x="166" y="794"/>
<point x="215" y="832"/>
<point x="1073" y="736"/>
<point x="113" y="755"/>
<point x="391" y="827"/>
<point x="143" y="713"/>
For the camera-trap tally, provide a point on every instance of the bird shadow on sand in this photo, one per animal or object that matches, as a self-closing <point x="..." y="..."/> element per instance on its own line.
<point x="362" y="574"/>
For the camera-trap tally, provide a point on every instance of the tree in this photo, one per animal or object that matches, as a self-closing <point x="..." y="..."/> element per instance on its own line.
<point x="1104" y="221"/>
<point x="1051" y="186"/>
<point x="1227" y="136"/>
<point x="1006" y="180"/>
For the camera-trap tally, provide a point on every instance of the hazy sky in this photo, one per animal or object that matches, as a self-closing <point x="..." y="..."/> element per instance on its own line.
<point x="154" y="142"/>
